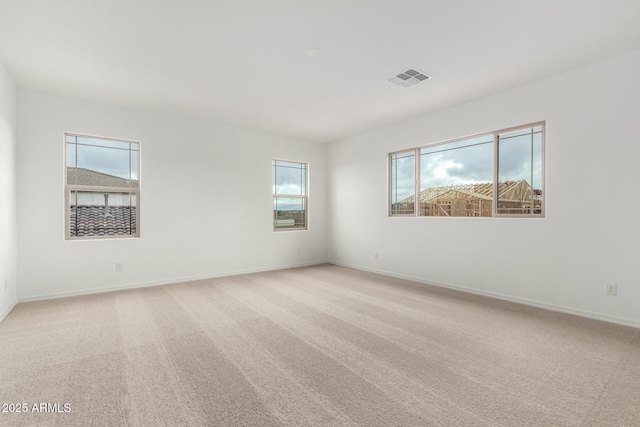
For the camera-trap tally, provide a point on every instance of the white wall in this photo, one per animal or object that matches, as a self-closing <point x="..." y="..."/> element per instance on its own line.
<point x="591" y="233"/>
<point x="206" y="203"/>
<point x="8" y="249"/>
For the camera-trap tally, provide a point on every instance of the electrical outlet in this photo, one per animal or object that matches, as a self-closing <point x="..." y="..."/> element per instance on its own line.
<point x="612" y="289"/>
<point x="299" y="251"/>
<point x="118" y="267"/>
<point x="375" y="255"/>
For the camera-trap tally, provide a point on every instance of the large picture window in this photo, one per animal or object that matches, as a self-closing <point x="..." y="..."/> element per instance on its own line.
<point x="494" y="174"/>
<point x="101" y="187"/>
<point x="289" y="181"/>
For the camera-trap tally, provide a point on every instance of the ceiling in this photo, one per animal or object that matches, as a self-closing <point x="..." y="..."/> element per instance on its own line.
<point x="246" y="62"/>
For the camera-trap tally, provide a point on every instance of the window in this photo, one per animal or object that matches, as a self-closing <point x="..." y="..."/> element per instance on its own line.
<point x="289" y="195"/>
<point x="456" y="178"/>
<point x="461" y="178"/>
<point x="519" y="165"/>
<point x="101" y="187"/>
<point x="403" y="178"/>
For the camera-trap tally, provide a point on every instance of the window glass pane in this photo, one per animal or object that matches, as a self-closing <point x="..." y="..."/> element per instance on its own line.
<point x="282" y="163"/>
<point x="537" y="173"/>
<point x="106" y="167"/>
<point x="456" y="179"/>
<point x="520" y="172"/>
<point x="483" y="139"/>
<point x="71" y="155"/>
<point x="403" y="176"/>
<point x="72" y="177"/>
<point x="274" y="173"/>
<point x="105" y="160"/>
<point x="289" y="212"/>
<point x="303" y="178"/>
<point x="134" y="165"/>
<point x="289" y="178"/>
<point x="95" y="214"/>
<point x="102" y="162"/>
<point x="515" y="133"/>
<point x="107" y="143"/>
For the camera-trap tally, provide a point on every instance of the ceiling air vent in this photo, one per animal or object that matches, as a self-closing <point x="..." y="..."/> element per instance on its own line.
<point x="409" y="78"/>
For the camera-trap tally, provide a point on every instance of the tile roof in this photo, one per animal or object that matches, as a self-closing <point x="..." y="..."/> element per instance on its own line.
<point x="90" y="221"/>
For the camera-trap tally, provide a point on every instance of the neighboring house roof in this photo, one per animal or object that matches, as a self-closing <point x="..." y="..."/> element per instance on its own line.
<point x="507" y="191"/>
<point x="82" y="176"/>
<point x="88" y="221"/>
<point x="93" y="220"/>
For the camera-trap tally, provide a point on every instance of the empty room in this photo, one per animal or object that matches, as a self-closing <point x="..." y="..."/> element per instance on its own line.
<point x="319" y="213"/>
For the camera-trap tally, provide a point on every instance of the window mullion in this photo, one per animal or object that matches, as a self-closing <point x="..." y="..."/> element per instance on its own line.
<point x="416" y="183"/>
<point x="496" y="177"/>
<point x="533" y="190"/>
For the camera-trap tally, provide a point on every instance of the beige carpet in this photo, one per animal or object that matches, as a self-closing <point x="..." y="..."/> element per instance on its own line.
<point x="323" y="345"/>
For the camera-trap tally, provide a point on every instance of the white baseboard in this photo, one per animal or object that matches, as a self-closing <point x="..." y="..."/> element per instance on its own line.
<point x="159" y="283"/>
<point x="7" y="311"/>
<point x="553" y="307"/>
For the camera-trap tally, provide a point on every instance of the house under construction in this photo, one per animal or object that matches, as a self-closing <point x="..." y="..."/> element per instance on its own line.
<point x="514" y="197"/>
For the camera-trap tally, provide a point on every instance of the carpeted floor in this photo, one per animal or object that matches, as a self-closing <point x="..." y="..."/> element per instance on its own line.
<point x="322" y="345"/>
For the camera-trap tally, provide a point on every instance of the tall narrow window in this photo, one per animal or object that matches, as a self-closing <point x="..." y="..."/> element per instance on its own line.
<point x="289" y="182"/>
<point x="495" y="174"/>
<point x="520" y="171"/>
<point x="403" y="176"/>
<point x="102" y="187"/>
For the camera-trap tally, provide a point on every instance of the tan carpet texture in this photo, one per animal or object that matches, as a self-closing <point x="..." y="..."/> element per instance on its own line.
<point x="314" y="346"/>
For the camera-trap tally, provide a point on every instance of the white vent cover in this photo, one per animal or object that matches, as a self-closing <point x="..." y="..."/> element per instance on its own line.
<point x="409" y="78"/>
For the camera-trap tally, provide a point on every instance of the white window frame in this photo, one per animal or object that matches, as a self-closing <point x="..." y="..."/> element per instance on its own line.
<point x="304" y="197"/>
<point x="495" y="169"/>
<point x="70" y="188"/>
<point x="416" y="180"/>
